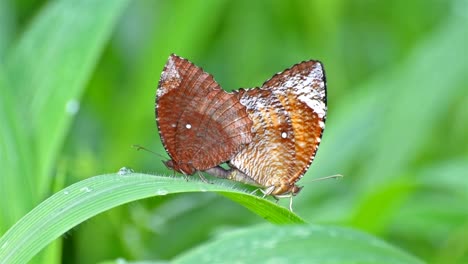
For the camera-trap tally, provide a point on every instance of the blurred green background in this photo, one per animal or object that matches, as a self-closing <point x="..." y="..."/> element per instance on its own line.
<point x="397" y="123"/>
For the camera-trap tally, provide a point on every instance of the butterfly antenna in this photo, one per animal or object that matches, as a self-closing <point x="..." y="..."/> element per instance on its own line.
<point x="336" y="176"/>
<point x="138" y="147"/>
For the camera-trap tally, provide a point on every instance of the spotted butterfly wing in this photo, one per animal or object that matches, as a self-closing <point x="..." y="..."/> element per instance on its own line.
<point x="288" y="114"/>
<point x="200" y="125"/>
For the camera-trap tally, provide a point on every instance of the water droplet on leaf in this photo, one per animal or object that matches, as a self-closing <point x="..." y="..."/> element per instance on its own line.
<point x="86" y="189"/>
<point x="124" y="171"/>
<point x="161" y="192"/>
<point x="72" y="106"/>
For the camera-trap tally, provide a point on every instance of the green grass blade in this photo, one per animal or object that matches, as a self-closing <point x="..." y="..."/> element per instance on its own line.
<point x="426" y="86"/>
<point x="393" y="115"/>
<point x="438" y="204"/>
<point x="396" y="94"/>
<point x="7" y="26"/>
<point x="51" y="63"/>
<point x="123" y="261"/>
<point x="14" y="154"/>
<point x="296" y="244"/>
<point x="87" y="198"/>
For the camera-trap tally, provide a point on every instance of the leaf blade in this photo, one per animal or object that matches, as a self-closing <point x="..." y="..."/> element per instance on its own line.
<point x="50" y="65"/>
<point x="296" y="244"/>
<point x="87" y="198"/>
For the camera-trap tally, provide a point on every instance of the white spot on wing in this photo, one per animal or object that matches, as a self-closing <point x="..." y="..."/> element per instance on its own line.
<point x="188" y="126"/>
<point x="284" y="135"/>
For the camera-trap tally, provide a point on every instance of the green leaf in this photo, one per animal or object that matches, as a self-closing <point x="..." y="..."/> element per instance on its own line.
<point x="50" y="66"/>
<point x="438" y="204"/>
<point x="123" y="261"/>
<point x="396" y="113"/>
<point x="87" y="198"/>
<point x="7" y="26"/>
<point x="296" y="244"/>
<point x="15" y="161"/>
<point x="371" y="216"/>
<point x="419" y="92"/>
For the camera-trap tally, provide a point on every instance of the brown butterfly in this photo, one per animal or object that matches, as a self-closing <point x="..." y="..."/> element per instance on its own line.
<point x="200" y="125"/>
<point x="268" y="135"/>
<point x="288" y="114"/>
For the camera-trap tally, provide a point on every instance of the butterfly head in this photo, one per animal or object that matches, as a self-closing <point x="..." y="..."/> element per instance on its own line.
<point x="185" y="169"/>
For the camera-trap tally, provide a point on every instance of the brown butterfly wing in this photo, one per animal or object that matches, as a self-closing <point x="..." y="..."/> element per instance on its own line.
<point x="283" y="149"/>
<point x="201" y="125"/>
<point x="265" y="156"/>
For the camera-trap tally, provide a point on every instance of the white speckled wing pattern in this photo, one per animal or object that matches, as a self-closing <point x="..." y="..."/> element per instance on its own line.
<point x="288" y="114"/>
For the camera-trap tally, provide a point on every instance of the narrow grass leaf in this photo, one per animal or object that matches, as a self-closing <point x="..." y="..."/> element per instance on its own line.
<point x="87" y="198"/>
<point x="15" y="161"/>
<point x="51" y="63"/>
<point x="7" y="26"/>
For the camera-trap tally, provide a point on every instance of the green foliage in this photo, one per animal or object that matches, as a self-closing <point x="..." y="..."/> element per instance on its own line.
<point x="77" y="87"/>
<point x="268" y="244"/>
<point x="85" y="199"/>
<point x="43" y="76"/>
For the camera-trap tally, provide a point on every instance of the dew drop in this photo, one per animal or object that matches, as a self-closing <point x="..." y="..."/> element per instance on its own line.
<point x="72" y="106"/>
<point x="121" y="261"/>
<point x="203" y="190"/>
<point x="124" y="171"/>
<point x="86" y="189"/>
<point x="161" y="192"/>
<point x="65" y="192"/>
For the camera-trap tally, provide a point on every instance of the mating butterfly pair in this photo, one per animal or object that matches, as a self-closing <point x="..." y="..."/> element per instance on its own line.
<point x="268" y="135"/>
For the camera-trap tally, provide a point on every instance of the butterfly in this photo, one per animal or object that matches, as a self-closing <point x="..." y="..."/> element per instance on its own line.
<point x="268" y="135"/>
<point x="288" y="113"/>
<point x="200" y="125"/>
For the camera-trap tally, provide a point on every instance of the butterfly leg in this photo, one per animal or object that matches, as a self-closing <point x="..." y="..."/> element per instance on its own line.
<point x="269" y="191"/>
<point x="276" y="199"/>
<point x="186" y="178"/>
<point x="290" y="196"/>
<point x="290" y="203"/>
<point x="203" y="177"/>
<point x="255" y="191"/>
